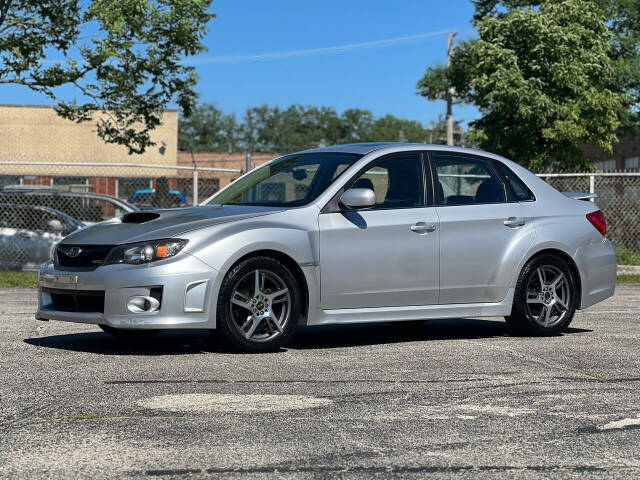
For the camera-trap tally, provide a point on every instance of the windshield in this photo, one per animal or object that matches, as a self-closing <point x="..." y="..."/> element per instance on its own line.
<point x="290" y="181"/>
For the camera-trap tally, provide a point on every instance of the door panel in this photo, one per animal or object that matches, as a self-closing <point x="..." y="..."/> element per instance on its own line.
<point x="483" y="237"/>
<point x="479" y="254"/>
<point x="373" y="258"/>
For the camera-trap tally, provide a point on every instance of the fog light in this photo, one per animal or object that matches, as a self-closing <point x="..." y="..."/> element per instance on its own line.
<point x="143" y="304"/>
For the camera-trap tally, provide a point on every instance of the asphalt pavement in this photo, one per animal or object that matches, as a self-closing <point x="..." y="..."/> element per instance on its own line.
<point x="448" y="399"/>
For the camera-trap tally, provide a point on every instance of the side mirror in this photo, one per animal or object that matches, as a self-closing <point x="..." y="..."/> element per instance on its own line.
<point x="356" y="198"/>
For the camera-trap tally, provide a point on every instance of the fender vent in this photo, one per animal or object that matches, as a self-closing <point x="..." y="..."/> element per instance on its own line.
<point x="139" y="217"/>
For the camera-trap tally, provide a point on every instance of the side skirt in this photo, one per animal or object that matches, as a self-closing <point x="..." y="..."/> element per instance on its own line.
<point x="417" y="312"/>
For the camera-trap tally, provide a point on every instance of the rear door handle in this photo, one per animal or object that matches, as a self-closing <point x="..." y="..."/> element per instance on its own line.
<point x="514" y="222"/>
<point x="422" y="228"/>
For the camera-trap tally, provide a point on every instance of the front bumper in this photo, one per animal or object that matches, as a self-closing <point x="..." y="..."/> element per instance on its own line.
<point x="185" y="282"/>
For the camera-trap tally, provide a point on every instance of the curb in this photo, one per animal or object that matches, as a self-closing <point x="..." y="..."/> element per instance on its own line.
<point x="628" y="269"/>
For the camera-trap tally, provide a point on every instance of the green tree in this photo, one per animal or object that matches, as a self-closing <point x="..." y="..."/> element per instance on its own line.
<point x="358" y="125"/>
<point x="297" y="127"/>
<point x="124" y="57"/>
<point x="393" y="129"/>
<point x="543" y="79"/>
<point x="209" y="129"/>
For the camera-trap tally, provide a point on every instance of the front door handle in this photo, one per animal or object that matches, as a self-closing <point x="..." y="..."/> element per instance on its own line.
<point x="423" y="228"/>
<point x="514" y="222"/>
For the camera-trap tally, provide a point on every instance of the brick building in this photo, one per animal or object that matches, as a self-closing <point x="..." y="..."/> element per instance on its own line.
<point x="625" y="155"/>
<point x="40" y="148"/>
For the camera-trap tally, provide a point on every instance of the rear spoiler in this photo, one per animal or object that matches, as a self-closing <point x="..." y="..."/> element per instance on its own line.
<point x="581" y="196"/>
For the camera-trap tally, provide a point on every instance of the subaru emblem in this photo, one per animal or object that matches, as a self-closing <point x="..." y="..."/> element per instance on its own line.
<point x="73" y="252"/>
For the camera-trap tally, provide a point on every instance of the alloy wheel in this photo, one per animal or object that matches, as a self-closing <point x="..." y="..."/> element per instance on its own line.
<point x="548" y="296"/>
<point x="260" y="305"/>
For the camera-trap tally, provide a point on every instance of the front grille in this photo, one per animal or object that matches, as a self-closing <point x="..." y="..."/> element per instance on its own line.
<point x="82" y="256"/>
<point x="85" y="301"/>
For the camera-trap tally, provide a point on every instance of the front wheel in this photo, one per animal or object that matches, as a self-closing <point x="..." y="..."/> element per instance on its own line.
<point x="545" y="298"/>
<point x="258" y="306"/>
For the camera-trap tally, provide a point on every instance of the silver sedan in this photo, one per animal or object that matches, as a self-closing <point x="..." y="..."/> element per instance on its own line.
<point x="354" y="233"/>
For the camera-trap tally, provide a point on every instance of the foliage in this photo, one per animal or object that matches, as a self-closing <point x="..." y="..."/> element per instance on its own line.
<point x="208" y="128"/>
<point x="543" y="79"/>
<point x="623" y="20"/>
<point x="626" y="256"/>
<point x="123" y="56"/>
<point x="275" y="129"/>
<point x="18" y="279"/>
<point x="629" y="278"/>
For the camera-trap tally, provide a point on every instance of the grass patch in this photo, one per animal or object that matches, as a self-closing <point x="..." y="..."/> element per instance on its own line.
<point x="629" y="278"/>
<point x="626" y="256"/>
<point x="18" y="279"/>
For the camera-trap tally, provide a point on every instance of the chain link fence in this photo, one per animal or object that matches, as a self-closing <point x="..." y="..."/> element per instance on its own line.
<point x="41" y="202"/>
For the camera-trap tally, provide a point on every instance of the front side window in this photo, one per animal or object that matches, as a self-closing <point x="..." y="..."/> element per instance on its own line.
<point x="290" y="181"/>
<point x="397" y="181"/>
<point x="464" y="181"/>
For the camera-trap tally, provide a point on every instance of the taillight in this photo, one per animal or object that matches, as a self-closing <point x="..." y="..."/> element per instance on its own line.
<point x="597" y="220"/>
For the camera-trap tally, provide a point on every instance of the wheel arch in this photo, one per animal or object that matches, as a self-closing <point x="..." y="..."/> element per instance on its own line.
<point x="564" y="256"/>
<point x="293" y="267"/>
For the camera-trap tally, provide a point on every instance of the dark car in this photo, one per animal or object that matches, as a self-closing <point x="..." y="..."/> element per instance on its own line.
<point x="89" y="208"/>
<point x="28" y="232"/>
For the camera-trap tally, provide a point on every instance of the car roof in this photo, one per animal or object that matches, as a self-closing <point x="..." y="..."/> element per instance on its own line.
<point x="39" y="190"/>
<point x="366" y="148"/>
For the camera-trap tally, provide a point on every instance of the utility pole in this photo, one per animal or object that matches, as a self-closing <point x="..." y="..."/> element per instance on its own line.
<point x="450" y="92"/>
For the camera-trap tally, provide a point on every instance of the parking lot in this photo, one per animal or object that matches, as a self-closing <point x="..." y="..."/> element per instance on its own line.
<point x="454" y="398"/>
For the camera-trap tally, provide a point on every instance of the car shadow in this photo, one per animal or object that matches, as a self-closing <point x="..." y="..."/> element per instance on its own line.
<point x="181" y="342"/>
<point x="355" y="335"/>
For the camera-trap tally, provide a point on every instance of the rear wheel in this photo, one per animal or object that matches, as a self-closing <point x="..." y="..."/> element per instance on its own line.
<point x="128" y="334"/>
<point x="258" y="306"/>
<point x="545" y="298"/>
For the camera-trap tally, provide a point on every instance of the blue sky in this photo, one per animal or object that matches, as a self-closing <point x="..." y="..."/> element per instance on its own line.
<point x="381" y="79"/>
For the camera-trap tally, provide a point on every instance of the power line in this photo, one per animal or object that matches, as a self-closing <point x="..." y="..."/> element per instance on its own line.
<point x="316" y="51"/>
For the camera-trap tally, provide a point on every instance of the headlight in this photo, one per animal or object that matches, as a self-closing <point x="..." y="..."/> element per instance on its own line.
<point x="145" y="252"/>
<point x="52" y="252"/>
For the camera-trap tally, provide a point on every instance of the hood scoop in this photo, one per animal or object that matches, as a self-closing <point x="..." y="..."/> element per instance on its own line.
<point x="140" y="217"/>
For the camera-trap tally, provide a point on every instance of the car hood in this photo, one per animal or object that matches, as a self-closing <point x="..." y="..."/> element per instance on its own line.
<point x="169" y="223"/>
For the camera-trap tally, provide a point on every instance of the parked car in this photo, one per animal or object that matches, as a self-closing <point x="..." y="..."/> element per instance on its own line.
<point x="88" y="208"/>
<point x="356" y="233"/>
<point x="28" y="233"/>
<point x="145" y="198"/>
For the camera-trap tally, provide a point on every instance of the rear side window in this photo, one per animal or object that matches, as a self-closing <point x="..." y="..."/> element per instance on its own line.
<point x="519" y="188"/>
<point x="465" y="181"/>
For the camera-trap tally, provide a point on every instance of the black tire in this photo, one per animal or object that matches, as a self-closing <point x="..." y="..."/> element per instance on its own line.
<point x="522" y="321"/>
<point x="128" y="334"/>
<point x="226" y="325"/>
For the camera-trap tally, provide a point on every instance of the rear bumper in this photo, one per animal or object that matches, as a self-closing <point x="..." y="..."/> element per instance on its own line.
<point x="185" y="283"/>
<point x="597" y="265"/>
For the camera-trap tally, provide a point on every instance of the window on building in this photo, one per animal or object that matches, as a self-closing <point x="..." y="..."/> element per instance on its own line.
<point x="632" y="163"/>
<point x="71" y="184"/>
<point x="605" y="165"/>
<point x="6" y="180"/>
